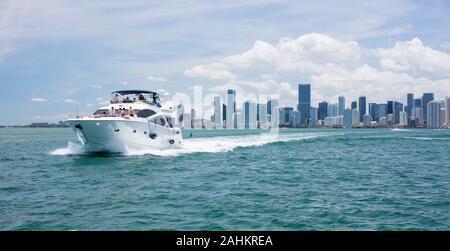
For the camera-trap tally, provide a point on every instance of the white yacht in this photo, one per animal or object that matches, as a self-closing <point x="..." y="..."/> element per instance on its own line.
<point x="134" y="119"/>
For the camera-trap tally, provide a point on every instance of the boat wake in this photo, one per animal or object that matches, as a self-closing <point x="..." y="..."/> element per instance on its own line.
<point x="201" y="145"/>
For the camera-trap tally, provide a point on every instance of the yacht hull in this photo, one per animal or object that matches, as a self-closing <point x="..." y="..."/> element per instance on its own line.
<point x="122" y="135"/>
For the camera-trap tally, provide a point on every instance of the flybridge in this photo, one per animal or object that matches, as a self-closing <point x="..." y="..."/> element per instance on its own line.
<point x="133" y="96"/>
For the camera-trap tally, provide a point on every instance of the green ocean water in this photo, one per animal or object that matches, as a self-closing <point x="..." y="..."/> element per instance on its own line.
<point x="335" y="179"/>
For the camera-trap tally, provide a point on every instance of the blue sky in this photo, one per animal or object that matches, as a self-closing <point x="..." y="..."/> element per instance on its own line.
<point x="55" y="54"/>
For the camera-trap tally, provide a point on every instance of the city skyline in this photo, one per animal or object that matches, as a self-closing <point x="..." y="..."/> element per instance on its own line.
<point x="424" y="112"/>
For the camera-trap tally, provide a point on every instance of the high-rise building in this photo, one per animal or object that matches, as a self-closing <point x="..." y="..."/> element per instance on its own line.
<point x="434" y="114"/>
<point x="333" y="110"/>
<point x="231" y="119"/>
<point x="323" y="110"/>
<point x="224" y="114"/>
<point x="367" y="119"/>
<point x="427" y="97"/>
<point x="374" y="111"/>
<point x="249" y="115"/>
<point x="341" y="105"/>
<point x="348" y="118"/>
<point x="304" y="103"/>
<point x="274" y="113"/>
<point x="354" y="105"/>
<point x="192" y="118"/>
<point x="287" y="116"/>
<point x="398" y="107"/>
<point x="417" y="116"/>
<point x="403" y="121"/>
<point x="417" y="102"/>
<point x="390" y="107"/>
<point x="409" y="104"/>
<point x="447" y="111"/>
<point x="382" y="109"/>
<point x="362" y="107"/>
<point x="217" y="112"/>
<point x="355" y="117"/>
<point x="262" y="115"/>
<point x="314" y="116"/>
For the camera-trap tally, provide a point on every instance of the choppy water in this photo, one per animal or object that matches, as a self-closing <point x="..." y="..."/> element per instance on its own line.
<point x="229" y="180"/>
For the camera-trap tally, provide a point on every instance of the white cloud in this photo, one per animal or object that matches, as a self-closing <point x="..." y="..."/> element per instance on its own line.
<point x="38" y="100"/>
<point x="211" y="71"/>
<point x="415" y="58"/>
<point x="97" y="86"/>
<point x="305" y="53"/>
<point x="70" y="101"/>
<point x="156" y="79"/>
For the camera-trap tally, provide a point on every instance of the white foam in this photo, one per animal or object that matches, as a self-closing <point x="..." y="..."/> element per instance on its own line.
<point x="221" y="144"/>
<point x="70" y="149"/>
<point x="201" y="145"/>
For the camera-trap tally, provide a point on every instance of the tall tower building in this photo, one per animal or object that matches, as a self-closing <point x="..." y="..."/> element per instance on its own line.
<point x="217" y="112"/>
<point x="447" y="111"/>
<point x="231" y="109"/>
<point x="323" y="110"/>
<point x="354" y="105"/>
<point x="427" y="97"/>
<point x="409" y="104"/>
<point x="434" y="114"/>
<point x="304" y="103"/>
<point x="362" y="107"/>
<point x="341" y="105"/>
<point x="374" y="111"/>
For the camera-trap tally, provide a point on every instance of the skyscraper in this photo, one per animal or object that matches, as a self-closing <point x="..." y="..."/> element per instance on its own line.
<point x="427" y="97"/>
<point x="447" y="111"/>
<point x="354" y="105"/>
<point x="231" y="109"/>
<point x="323" y="110"/>
<point x="333" y="110"/>
<point x="373" y="111"/>
<point x="224" y="114"/>
<point x="390" y="107"/>
<point x="217" y="113"/>
<point x="249" y="115"/>
<point x="192" y="118"/>
<point x="382" y="109"/>
<point x="262" y="114"/>
<point x="398" y="107"/>
<point x="304" y="103"/>
<point x="348" y="118"/>
<point x="362" y="107"/>
<point x="403" y="118"/>
<point x="287" y="116"/>
<point x="434" y="114"/>
<point x="341" y="105"/>
<point x="274" y="113"/>
<point x="355" y="117"/>
<point x="417" y="102"/>
<point x="409" y="103"/>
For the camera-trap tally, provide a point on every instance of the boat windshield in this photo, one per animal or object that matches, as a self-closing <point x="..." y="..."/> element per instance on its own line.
<point x="136" y="96"/>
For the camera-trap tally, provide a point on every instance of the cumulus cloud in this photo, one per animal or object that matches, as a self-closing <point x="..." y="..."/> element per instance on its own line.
<point x="38" y="100"/>
<point x="307" y="53"/>
<point x="70" y="101"/>
<point x="156" y="79"/>
<point x="415" y="58"/>
<point x="335" y="68"/>
<point x="211" y="71"/>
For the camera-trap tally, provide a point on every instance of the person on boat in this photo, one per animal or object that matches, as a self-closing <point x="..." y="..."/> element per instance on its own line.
<point x="113" y="112"/>
<point x="116" y="98"/>
<point x="131" y="111"/>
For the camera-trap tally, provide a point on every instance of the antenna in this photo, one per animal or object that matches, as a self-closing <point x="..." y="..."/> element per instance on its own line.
<point x="77" y="110"/>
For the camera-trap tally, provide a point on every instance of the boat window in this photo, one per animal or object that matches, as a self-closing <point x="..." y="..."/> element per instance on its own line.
<point x="159" y="121"/>
<point x="170" y="122"/>
<point x="145" y="113"/>
<point x="101" y="112"/>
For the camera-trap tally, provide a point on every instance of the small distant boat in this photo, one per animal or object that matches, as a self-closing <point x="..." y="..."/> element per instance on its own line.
<point x="134" y="119"/>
